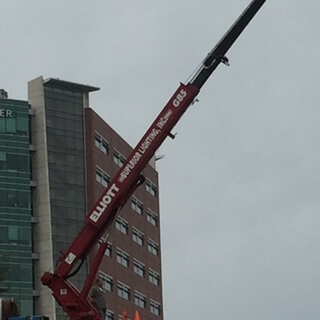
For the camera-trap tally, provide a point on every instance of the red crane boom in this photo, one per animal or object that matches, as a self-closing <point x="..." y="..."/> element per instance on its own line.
<point x="128" y="178"/>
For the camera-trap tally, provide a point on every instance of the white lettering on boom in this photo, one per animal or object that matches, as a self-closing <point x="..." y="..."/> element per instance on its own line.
<point x="103" y="204"/>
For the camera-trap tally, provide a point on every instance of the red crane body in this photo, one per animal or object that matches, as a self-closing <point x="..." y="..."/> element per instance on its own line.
<point x="128" y="178"/>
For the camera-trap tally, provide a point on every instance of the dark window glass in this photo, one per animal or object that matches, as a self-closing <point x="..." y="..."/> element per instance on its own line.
<point x="26" y="273"/>
<point x="2" y="125"/>
<point x="14" y="272"/>
<point x="3" y="234"/>
<point x="11" y="125"/>
<point x="17" y="162"/>
<point x="25" y="236"/>
<point x="13" y="234"/>
<point x="23" y="200"/>
<point x="22" y="125"/>
<point x="2" y="160"/>
<point x="3" y="198"/>
<point x="12" y="198"/>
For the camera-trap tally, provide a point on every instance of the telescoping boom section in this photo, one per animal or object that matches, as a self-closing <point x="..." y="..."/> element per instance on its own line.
<point x="101" y="217"/>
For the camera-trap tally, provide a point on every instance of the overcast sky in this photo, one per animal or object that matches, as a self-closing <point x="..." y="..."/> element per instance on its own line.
<point x="239" y="186"/>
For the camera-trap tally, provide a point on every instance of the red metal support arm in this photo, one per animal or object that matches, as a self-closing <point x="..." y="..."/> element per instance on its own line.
<point x="128" y="177"/>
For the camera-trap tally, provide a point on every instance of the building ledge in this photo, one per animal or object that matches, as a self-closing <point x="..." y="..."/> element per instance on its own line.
<point x="34" y="219"/>
<point x="35" y="256"/>
<point x="67" y="85"/>
<point x="32" y="112"/>
<point x="33" y="183"/>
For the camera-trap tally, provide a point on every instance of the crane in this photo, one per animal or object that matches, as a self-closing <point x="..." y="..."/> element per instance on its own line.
<point x="100" y="219"/>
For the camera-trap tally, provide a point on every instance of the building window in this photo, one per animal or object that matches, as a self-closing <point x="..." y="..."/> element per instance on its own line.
<point x="107" y="281"/>
<point x="136" y="205"/>
<point x="123" y="291"/>
<point x="155" y="307"/>
<point x="101" y="143"/>
<point x="151" y="187"/>
<point x="139" y="268"/>
<point x="118" y="158"/>
<point x="137" y="236"/>
<point x="108" y="251"/>
<point x="122" y="225"/>
<point x="154" y="277"/>
<point x="122" y="258"/>
<point x="152" y="217"/>
<point x="102" y="177"/>
<point x="140" y="299"/>
<point x="15" y="235"/>
<point x="14" y="162"/>
<point x="153" y="247"/>
<point x="110" y="315"/>
<point x="14" y="198"/>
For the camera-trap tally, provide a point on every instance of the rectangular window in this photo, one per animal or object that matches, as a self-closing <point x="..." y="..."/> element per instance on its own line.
<point x="122" y="225"/>
<point x="110" y="315"/>
<point x="17" y="162"/>
<point x="139" y="268"/>
<point x="12" y="198"/>
<point x="3" y="159"/>
<point x="123" y="291"/>
<point x="137" y="236"/>
<point x="155" y="307"/>
<point x="102" y="177"/>
<point x="23" y="125"/>
<point x="153" y="247"/>
<point x="140" y="299"/>
<point x="122" y="258"/>
<point x="11" y="125"/>
<point x="101" y="143"/>
<point x="136" y="205"/>
<point x="152" y="217"/>
<point x="118" y="158"/>
<point x="3" y="234"/>
<point x="154" y="277"/>
<point x="151" y="187"/>
<point x="2" y="125"/>
<point x="13" y="234"/>
<point x="107" y="281"/>
<point x="108" y="251"/>
<point x="25" y="236"/>
<point x="26" y="272"/>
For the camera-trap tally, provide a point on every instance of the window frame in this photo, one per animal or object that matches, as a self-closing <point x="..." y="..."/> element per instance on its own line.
<point x="155" y="307"/>
<point x="139" y="268"/>
<point x="123" y="291"/>
<point x="153" y="247"/>
<point x="152" y="217"/>
<point x="154" y="277"/>
<point x="123" y="258"/>
<point x="138" y="236"/>
<point x="122" y="225"/>
<point x="107" y="281"/>
<point x="101" y="143"/>
<point x="151" y="187"/>
<point x="140" y="299"/>
<point x="104" y="178"/>
<point x="118" y="158"/>
<point x="137" y="205"/>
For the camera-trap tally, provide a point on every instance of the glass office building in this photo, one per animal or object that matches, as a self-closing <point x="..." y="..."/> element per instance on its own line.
<point x="15" y="202"/>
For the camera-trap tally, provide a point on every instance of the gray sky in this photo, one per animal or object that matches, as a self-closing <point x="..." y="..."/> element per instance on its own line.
<point x="240" y="183"/>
